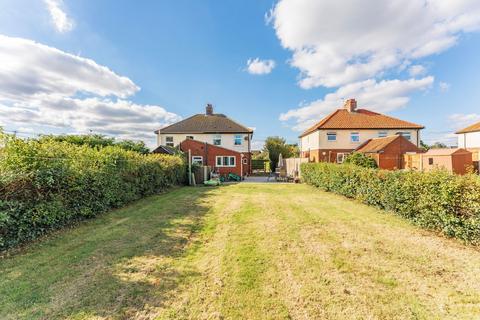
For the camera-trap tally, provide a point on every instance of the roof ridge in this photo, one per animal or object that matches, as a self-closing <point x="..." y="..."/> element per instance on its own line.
<point x="319" y="123"/>
<point x="183" y="120"/>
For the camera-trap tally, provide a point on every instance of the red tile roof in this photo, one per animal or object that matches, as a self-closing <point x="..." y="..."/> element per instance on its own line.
<point x="360" y="119"/>
<point x="473" y="128"/>
<point x="377" y="144"/>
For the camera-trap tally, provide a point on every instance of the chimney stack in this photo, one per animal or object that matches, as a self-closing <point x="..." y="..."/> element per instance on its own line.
<point x="209" y="109"/>
<point x="350" y="105"/>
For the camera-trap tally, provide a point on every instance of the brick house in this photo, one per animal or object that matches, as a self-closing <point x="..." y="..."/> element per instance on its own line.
<point x="347" y="128"/>
<point x="388" y="152"/>
<point x="213" y="140"/>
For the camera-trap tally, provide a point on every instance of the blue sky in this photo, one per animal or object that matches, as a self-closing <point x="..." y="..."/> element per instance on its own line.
<point x="154" y="62"/>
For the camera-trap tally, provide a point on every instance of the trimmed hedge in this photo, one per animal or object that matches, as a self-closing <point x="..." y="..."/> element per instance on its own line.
<point x="48" y="184"/>
<point x="434" y="200"/>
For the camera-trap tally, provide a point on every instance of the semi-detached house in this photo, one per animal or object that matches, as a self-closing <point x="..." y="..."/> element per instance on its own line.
<point x="347" y="128"/>
<point x="213" y="139"/>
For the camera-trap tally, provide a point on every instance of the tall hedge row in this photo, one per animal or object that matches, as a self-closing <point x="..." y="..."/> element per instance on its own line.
<point x="434" y="200"/>
<point x="47" y="184"/>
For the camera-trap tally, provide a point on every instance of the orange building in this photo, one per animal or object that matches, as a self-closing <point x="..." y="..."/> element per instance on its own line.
<point x="454" y="160"/>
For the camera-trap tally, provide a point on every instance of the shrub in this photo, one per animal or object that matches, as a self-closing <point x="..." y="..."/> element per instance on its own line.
<point x="45" y="184"/>
<point x="360" y="159"/>
<point x="434" y="200"/>
<point x="98" y="141"/>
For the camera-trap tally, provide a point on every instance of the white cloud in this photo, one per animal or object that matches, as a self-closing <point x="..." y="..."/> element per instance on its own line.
<point x="380" y="96"/>
<point x="257" y="66"/>
<point x="62" y="22"/>
<point x="41" y="85"/>
<point x="460" y="120"/>
<point x="339" y="42"/>
<point x="444" y="87"/>
<point x="417" y="70"/>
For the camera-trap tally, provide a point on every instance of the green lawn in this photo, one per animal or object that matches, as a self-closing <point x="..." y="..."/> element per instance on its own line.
<point x="245" y="251"/>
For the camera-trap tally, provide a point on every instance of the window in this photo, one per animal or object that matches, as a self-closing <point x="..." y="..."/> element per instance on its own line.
<point x="245" y="161"/>
<point x="197" y="160"/>
<point x="355" y="137"/>
<point x="169" y="141"/>
<point x="340" y="157"/>
<point x="331" y="136"/>
<point x="382" y="134"/>
<point x="217" y="140"/>
<point x="190" y="138"/>
<point x="407" y="135"/>
<point x="238" y="140"/>
<point x="430" y="161"/>
<point x="225" y="161"/>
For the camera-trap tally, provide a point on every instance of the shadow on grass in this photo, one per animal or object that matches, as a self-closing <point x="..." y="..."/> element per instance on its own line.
<point x="124" y="264"/>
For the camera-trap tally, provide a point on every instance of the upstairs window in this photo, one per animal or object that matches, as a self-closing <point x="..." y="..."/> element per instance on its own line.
<point x="237" y="140"/>
<point x="331" y="136"/>
<point x="382" y="134"/>
<point x="217" y="140"/>
<point x="354" y="137"/>
<point x="169" y="141"/>
<point x="189" y="138"/>
<point x="406" y="134"/>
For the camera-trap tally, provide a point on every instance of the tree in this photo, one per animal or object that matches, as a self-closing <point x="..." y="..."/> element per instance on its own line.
<point x="438" y="145"/>
<point x="276" y="146"/>
<point x="360" y="159"/>
<point x="425" y="147"/>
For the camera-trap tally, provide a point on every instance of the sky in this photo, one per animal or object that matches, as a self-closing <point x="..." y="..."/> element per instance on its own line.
<point x="127" y="68"/>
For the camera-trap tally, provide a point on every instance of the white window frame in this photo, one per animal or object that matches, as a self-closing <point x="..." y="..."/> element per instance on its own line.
<point x="382" y="134"/>
<point x="189" y="137"/>
<point x="239" y="137"/>
<point x="334" y="134"/>
<point x="340" y="155"/>
<point x="222" y="162"/>
<point x="217" y="137"/>
<point x="354" y="134"/>
<point x="197" y="159"/>
<point x="169" y="141"/>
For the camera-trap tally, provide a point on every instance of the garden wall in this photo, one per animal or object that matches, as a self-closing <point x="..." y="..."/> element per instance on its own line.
<point x="434" y="200"/>
<point x="47" y="184"/>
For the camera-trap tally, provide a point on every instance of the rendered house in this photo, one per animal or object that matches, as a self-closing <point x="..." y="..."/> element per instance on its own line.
<point x="347" y="128"/>
<point x="213" y="140"/>
<point x="469" y="138"/>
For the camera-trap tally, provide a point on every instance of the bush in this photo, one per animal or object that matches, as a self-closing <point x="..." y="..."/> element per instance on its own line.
<point x="360" y="159"/>
<point x="434" y="200"/>
<point x="45" y="184"/>
<point x="98" y="141"/>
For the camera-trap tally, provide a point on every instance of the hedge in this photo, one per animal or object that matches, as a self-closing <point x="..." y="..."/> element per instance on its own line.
<point x="46" y="184"/>
<point x="434" y="200"/>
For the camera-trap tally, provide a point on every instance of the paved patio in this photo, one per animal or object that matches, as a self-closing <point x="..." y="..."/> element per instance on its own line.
<point x="259" y="179"/>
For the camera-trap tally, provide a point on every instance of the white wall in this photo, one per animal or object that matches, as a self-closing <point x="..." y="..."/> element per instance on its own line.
<point x="469" y="140"/>
<point x="227" y="140"/>
<point x="310" y="141"/>
<point x="318" y="139"/>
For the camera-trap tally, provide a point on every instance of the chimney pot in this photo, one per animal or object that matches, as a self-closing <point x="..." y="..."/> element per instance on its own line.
<point x="350" y="105"/>
<point x="209" y="110"/>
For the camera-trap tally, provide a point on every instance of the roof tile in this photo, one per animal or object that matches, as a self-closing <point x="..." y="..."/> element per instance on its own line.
<point x="202" y="123"/>
<point x="360" y="119"/>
